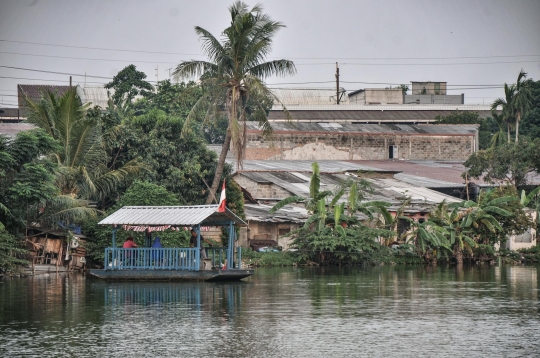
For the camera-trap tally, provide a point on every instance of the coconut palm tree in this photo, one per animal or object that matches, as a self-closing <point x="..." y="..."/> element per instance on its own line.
<point x="507" y="114"/>
<point x="82" y="159"/>
<point x="499" y="137"/>
<point x="522" y="99"/>
<point x="517" y="100"/>
<point x="234" y="73"/>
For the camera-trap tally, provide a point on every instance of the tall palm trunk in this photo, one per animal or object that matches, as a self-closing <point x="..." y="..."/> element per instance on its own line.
<point x="219" y="168"/>
<point x="231" y="104"/>
<point x="508" y="132"/>
<point x="518" y="118"/>
<point x="458" y="254"/>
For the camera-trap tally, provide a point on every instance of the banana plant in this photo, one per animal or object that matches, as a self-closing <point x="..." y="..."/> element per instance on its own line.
<point x="315" y="195"/>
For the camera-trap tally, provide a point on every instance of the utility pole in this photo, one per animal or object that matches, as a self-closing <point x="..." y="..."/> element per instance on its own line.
<point x="170" y="73"/>
<point x="69" y="81"/>
<point x="157" y="77"/>
<point x="337" y="83"/>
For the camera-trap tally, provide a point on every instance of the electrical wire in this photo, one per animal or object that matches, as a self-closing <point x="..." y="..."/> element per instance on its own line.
<point x="297" y="58"/>
<point x="412" y="64"/>
<point x="85" y="58"/>
<point x="45" y="80"/>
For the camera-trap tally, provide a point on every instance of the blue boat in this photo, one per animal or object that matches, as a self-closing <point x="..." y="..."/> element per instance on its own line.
<point x="179" y="263"/>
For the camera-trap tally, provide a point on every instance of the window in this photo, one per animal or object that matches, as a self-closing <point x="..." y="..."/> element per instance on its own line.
<point x="403" y="226"/>
<point x="283" y="232"/>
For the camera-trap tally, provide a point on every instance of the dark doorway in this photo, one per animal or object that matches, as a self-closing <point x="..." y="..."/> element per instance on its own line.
<point x="391" y="152"/>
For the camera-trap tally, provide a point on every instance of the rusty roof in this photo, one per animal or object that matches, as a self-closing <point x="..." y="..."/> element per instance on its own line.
<point x="34" y="92"/>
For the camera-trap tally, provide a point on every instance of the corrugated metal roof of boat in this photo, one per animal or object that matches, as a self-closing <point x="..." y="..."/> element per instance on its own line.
<point x="206" y="215"/>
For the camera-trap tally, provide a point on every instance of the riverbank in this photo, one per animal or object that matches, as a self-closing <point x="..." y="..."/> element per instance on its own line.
<point x="399" y="256"/>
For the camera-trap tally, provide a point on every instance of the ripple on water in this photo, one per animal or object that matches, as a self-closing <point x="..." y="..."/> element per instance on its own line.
<point x="383" y="311"/>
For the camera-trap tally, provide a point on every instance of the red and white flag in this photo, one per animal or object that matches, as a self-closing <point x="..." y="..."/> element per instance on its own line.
<point x="222" y="200"/>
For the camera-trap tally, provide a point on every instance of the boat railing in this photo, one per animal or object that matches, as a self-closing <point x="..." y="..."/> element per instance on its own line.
<point x="218" y="255"/>
<point x="177" y="258"/>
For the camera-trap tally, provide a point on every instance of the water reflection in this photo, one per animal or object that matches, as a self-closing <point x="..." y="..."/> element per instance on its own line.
<point x="381" y="311"/>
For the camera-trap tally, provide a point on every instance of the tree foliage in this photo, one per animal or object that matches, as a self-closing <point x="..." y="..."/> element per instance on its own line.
<point x="183" y="165"/>
<point x="507" y="164"/>
<point x="129" y="83"/>
<point x="235" y="71"/>
<point x="27" y="177"/>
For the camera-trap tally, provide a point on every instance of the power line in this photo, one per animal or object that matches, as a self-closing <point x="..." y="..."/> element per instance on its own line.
<point x="44" y="80"/>
<point x="84" y="58"/>
<point x="59" y="73"/>
<point x="101" y="48"/>
<point x="297" y="58"/>
<point x="412" y="64"/>
<point x="56" y="73"/>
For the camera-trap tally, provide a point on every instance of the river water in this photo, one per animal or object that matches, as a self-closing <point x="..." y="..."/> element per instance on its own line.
<point x="385" y="311"/>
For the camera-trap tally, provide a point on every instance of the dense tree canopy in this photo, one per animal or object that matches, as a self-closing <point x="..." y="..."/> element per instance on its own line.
<point x="507" y="164"/>
<point x="129" y="83"/>
<point x="27" y="177"/>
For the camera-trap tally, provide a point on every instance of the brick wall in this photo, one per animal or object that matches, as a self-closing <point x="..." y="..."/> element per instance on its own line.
<point x="355" y="146"/>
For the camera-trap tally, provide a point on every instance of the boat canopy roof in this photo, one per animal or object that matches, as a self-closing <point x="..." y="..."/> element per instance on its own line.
<point x="205" y="215"/>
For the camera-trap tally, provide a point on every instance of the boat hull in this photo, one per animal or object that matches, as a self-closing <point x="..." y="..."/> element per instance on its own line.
<point x="172" y="275"/>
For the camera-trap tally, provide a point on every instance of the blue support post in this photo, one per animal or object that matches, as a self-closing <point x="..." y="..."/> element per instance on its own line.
<point x="198" y="259"/>
<point x="230" y="251"/>
<point x="113" y="258"/>
<point x="239" y="259"/>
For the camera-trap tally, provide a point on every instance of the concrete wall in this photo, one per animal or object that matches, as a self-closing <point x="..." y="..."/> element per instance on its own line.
<point x="359" y="146"/>
<point x="525" y="240"/>
<point x="434" y="99"/>
<point x="417" y="87"/>
<point x="273" y="230"/>
<point x="377" y="96"/>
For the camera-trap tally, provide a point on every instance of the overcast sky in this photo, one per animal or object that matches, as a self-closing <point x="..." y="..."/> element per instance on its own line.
<point x="376" y="41"/>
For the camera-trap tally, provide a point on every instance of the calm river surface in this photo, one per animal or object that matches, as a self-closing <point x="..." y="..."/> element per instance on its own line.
<point x="286" y="312"/>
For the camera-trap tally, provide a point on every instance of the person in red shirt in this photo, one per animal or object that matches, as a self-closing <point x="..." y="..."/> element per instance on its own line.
<point x="129" y="244"/>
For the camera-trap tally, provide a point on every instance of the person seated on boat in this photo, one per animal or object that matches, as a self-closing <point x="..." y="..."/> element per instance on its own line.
<point x="157" y="256"/>
<point x="193" y="243"/>
<point x="129" y="244"/>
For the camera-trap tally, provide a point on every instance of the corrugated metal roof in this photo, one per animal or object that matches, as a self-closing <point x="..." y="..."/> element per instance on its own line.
<point x="384" y="128"/>
<point x="393" y="191"/>
<point x="96" y="95"/>
<point x="261" y="213"/>
<point x="426" y="182"/>
<point x="325" y="166"/>
<point x="206" y="215"/>
<point x="306" y="96"/>
<point x="374" y="113"/>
